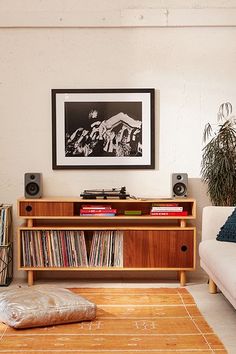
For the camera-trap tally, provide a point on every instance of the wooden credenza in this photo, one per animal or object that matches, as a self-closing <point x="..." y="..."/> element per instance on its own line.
<point x="56" y="237"/>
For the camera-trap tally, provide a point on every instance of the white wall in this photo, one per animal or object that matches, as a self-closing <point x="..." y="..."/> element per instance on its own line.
<point x="191" y="68"/>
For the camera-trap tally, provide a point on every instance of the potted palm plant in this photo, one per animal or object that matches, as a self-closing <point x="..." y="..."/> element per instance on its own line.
<point x="218" y="166"/>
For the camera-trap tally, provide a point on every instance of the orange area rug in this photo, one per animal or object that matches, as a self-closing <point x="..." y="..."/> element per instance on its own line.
<point x="129" y="321"/>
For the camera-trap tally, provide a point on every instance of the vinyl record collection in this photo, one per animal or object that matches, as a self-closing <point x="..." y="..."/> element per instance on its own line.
<point x="71" y="248"/>
<point x="106" y="249"/>
<point x="5" y="244"/>
<point x="53" y="248"/>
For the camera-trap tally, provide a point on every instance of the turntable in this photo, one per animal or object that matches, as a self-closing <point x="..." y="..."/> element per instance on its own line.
<point x="105" y="193"/>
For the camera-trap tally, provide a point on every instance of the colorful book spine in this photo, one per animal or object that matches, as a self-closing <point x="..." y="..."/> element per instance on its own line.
<point x="97" y="211"/>
<point x="168" y="213"/>
<point x="96" y="206"/>
<point x="98" y="214"/>
<point x="133" y="212"/>
<point x="167" y="208"/>
<point x="171" y="204"/>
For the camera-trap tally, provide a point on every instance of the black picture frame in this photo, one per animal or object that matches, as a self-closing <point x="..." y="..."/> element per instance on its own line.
<point x="103" y="128"/>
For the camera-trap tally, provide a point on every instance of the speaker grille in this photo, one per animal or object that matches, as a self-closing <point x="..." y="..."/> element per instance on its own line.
<point x="180" y="189"/>
<point x="32" y="188"/>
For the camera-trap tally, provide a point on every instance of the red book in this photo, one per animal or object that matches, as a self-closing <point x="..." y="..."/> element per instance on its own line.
<point x="97" y="211"/>
<point x="168" y="213"/>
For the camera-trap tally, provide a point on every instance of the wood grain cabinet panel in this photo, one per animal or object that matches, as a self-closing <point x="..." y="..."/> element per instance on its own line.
<point x="159" y="249"/>
<point x="47" y="209"/>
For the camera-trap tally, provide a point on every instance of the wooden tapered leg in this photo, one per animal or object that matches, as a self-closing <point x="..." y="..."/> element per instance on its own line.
<point x="30" y="223"/>
<point x="182" y="275"/>
<point x="30" y="277"/>
<point x="212" y="287"/>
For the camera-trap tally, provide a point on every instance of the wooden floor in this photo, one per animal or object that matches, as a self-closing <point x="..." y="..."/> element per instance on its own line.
<point x="131" y="321"/>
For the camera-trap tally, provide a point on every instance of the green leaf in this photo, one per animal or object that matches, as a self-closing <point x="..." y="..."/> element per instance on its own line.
<point x="218" y="165"/>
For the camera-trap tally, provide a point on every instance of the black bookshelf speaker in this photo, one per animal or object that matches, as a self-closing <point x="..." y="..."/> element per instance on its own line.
<point x="179" y="185"/>
<point x="33" y="185"/>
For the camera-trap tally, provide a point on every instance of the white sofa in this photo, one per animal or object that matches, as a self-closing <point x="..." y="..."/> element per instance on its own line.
<point x="218" y="258"/>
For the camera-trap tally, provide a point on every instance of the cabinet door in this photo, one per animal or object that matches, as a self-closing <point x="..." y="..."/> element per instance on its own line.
<point x="159" y="249"/>
<point x="47" y="209"/>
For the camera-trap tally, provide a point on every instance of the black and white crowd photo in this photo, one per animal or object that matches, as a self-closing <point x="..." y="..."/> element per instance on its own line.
<point x="103" y="129"/>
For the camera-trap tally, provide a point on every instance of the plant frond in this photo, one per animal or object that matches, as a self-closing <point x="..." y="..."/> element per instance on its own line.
<point x="218" y="165"/>
<point x="207" y="133"/>
<point x="225" y="111"/>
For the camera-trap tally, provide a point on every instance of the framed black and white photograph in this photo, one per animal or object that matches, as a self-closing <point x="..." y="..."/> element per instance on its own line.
<point x="103" y="128"/>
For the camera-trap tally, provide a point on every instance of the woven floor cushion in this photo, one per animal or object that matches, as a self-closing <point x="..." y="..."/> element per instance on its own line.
<point x="38" y="306"/>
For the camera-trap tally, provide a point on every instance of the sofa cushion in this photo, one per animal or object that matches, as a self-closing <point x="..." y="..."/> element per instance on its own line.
<point x="43" y="306"/>
<point x="228" y="230"/>
<point x="220" y="258"/>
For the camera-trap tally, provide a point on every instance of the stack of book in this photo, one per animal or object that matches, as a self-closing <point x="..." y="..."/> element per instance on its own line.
<point x="97" y="210"/>
<point x="167" y="209"/>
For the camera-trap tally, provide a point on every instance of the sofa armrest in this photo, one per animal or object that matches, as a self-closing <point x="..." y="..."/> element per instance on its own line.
<point x="213" y="217"/>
